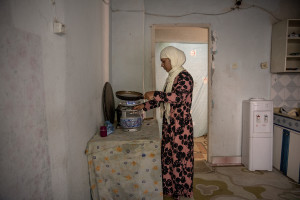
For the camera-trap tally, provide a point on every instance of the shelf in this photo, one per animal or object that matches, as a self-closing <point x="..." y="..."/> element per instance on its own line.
<point x="286" y="41"/>
<point x="294" y="23"/>
<point x="293" y="40"/>
<point x="292" y="71"/>
<point x="293" y="57"/>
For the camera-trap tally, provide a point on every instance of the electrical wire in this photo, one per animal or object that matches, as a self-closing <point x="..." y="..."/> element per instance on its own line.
<point x="192" y="13"/>
<point x="54" y="10"/>
<point x="198" y="13"/>
<point x="183" y="15"/>
<point x="117" y="10"/>
<point x="263" y="9"/>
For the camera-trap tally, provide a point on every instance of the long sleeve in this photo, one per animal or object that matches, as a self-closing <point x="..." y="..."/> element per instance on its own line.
<point x="181" y="89"/>
<point x="150" y="105"/>
<point x="183" y="86"/>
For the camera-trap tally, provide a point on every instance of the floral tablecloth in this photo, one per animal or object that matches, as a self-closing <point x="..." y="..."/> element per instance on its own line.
<point x="126" y="165"/>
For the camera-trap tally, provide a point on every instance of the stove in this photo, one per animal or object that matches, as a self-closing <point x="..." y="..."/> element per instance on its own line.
<point x="127" y="118"/>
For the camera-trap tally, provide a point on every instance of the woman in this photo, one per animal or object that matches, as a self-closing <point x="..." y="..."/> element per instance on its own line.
<point x="177" y="129"/>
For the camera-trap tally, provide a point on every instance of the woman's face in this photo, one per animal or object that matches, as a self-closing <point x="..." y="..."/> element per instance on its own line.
<point x="166" y="64"/>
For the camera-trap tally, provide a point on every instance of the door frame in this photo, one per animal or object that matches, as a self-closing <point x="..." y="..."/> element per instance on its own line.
<point x="179" y="26"/>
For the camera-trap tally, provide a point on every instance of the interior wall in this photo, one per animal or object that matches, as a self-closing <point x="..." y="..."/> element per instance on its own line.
<point x="84" y="85"/>
<point x="25" y="158"/>
<point x="127" y="53"/>
<point x="50" y="96"/>
<point x="243" y="42"/>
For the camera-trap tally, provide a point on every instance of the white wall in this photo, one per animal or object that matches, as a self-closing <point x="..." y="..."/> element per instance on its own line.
<point x="244" y="38"/>
<point x="84" y="84"/>
<point x="127" y="51"/>
<point x="50" y="96"/>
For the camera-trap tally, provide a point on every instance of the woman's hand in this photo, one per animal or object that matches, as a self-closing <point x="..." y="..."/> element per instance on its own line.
<point x="138" y="107"/>
<point x="149" y="95"/>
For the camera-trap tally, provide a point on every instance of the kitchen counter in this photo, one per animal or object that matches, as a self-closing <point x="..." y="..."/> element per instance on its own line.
<point x="286" y="121"/>
<point x="287" y="116"/>
<point x="126" y="165"/>
<point x="277" y="112"/>
<point x="286" y="145"/>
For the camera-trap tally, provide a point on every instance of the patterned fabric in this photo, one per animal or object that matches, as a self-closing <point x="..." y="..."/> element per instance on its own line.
<point x="177" y="137"/>
<point x="126" y="165"/>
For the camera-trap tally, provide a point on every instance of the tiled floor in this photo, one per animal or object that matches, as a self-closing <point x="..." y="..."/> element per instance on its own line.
<point x="200" y="148"/>
<point x="237" y="182"/>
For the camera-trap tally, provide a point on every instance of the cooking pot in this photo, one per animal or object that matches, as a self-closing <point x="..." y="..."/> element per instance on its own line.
<point x="131" y="120"/>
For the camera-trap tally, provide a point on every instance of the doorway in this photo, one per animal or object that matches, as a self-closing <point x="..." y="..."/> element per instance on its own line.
<point x="194" y="40"/>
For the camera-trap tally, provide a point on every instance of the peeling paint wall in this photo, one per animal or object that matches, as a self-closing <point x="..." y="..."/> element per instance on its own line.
<point x="25" y="161"/>
<point x="244" y="41"/>
<point x="50" y="96"/>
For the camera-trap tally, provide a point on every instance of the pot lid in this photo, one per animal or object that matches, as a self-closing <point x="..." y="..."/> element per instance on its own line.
<point x="129" y="95"/>
<point x="108" y="103"/>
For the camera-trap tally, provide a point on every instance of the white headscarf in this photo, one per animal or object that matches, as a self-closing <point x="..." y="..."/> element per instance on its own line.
<point x="177" y="58"/>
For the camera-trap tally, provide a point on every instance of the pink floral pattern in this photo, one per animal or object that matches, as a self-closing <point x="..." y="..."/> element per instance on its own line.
<point x="177" y="137"/>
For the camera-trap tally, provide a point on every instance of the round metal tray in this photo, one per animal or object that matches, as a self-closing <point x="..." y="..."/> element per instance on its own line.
<point x="129" y="95"/>
<point x="108" y="103"/>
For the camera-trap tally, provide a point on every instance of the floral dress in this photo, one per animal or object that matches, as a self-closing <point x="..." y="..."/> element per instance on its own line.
<point x="177" y="144"/>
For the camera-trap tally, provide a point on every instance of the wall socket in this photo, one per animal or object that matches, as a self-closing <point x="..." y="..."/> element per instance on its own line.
<point x="264" y="65"/>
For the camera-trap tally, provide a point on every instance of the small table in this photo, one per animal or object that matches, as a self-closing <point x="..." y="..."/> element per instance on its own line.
<point x="126" y="165"/>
